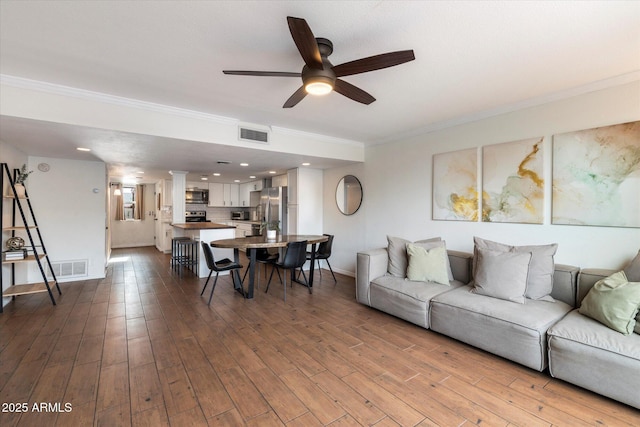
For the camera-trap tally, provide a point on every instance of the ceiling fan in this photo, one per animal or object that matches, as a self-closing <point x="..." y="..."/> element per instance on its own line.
<point x="319" y="76"/>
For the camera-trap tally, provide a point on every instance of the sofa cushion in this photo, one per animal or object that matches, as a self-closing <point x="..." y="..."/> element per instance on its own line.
<point x="632" y="270"/>
<point x="428" y="265"/>
<point x="514" y="331"/>
<point x="501" y="274"/>
<point x="541" y="267"/>
<point x="585" y="352"/>
<point x="406" y="299"/>
<point x="614" y="302"/>
<point x="397" y="250"/>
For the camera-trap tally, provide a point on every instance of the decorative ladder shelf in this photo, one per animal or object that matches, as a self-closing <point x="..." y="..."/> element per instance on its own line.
<point x="36" y="251"/>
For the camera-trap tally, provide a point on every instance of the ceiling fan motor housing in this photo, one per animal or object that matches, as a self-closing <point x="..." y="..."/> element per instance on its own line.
<point x="326" y="75"/>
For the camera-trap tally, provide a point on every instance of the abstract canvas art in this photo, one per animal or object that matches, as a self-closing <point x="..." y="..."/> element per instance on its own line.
<point x="596" y="176"/>
<point x="455" y="185"/>
<point x="512" y="182"/>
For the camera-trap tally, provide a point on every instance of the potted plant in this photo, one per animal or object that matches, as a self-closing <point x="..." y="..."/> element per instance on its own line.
<point x="21" y="177"/>
<point x="272" y="228"/>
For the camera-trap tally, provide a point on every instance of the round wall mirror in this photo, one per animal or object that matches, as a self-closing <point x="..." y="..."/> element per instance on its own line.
<point x="349" y="195"/>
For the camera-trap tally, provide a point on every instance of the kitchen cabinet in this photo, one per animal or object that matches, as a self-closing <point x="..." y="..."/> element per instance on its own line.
<point x="224" y="195"/>
<point x="245" y="192"/>
<point x="231" y="195"/>
<point x="292" y="186"/>
<point x="243" y="228"/>
<point x="279" y="180"/>
<point x="166" y="192"/>
<point x="305" y="201"/>
<point x="164" y="234"/>
<point x="216" y="194"/>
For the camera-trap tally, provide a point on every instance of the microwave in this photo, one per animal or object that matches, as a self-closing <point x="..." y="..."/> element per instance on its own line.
<point x="241" y="215"/>
<point x="197" y="196"/>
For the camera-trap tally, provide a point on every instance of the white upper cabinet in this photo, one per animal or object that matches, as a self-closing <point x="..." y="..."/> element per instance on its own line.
<point x="305" y="201"/>
<point x="224" y="195"/>
<point x="292" y="187"/>
<point x="231" y="195"/>
<point x="279" y="180"/>
<point x="166" y="191"/>
<point x="245" y="192"/>
<point x="216" y="194"/>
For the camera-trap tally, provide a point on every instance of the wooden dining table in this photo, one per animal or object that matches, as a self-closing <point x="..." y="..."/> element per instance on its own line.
<point x="258" y="242"/>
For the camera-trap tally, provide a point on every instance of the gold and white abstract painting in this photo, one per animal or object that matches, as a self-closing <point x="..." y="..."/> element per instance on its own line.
<point x="596" y="176"/>
<point x="512" y="182"/>
<point x="455" y="185"/>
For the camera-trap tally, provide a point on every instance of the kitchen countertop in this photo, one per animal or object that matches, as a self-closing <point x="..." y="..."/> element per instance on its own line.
<point x="246" y="221"/>
<point x="201" y="225"/>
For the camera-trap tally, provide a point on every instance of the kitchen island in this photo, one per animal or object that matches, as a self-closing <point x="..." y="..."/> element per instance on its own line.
<point x="206" y="232"/>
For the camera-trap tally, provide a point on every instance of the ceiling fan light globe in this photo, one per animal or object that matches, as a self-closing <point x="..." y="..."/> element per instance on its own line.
<point x="318" y="88"/>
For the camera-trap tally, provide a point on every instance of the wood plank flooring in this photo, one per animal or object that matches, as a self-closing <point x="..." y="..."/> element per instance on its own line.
<point x="142" y="348"/>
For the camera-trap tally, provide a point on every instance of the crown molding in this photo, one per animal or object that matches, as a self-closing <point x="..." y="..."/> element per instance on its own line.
<point x="56" y="89"/>
<point x="529" y="103"/>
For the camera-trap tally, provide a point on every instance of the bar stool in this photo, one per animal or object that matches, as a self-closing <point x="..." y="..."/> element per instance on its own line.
<point x="175" y="251"/>
<point x="184" y="253"/>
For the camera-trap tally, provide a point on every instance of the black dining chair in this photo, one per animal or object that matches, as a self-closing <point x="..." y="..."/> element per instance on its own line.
<point x="223" y="265"/>
<point x="324" y="252"/>
<point x="263" y="256"/>
<point x="294" y="257"/>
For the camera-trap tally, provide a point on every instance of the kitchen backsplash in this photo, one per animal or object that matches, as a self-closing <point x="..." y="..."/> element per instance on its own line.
<point x="215" y="213"/>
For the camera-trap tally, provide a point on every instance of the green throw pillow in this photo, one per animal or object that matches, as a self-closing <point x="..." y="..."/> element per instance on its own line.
<point x="427" y="265"/>
<point x="614" y="302"/>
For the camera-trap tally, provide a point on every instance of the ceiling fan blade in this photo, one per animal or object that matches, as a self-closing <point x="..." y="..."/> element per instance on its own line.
<point x="353" y="92"/>
<point x="262" y="73"/>
<point x="295" y="98"/>
<point x="305" y="41"/>
<point x="373" y="63"/>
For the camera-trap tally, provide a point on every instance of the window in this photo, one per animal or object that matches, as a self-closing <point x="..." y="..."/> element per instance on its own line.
<point x="129" y="202"/>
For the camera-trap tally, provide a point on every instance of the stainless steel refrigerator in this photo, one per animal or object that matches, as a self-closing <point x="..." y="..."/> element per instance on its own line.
<point x="273" y="207"/>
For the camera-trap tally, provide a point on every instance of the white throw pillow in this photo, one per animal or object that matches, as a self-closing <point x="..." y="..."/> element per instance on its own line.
<point x="427" y="265"/>
<point x="397" y="252"/>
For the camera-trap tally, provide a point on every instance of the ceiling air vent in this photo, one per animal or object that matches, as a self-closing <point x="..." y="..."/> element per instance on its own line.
<point x="253" y="135"/>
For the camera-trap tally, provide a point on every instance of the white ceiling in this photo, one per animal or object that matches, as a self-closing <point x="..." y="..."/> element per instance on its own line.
<point x="473" y="59"/>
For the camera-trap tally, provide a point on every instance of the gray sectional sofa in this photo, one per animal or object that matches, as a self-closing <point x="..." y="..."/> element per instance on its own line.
<point x="538" y="334"/>
<point x="587" y="353"/>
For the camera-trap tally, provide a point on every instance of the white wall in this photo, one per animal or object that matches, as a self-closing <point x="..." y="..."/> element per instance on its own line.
<point x="349" y="230"/>
<point x="129" y="234"/>
<point x="15" y="159"/>
<point x="397" y="185"/>
<point x="69" y="202"/>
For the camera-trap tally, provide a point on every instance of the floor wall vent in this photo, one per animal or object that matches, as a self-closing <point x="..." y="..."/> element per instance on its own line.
<point x="68" y="269"/>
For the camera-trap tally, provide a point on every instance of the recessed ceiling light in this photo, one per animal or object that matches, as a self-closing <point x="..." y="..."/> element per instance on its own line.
<point x="216" y="174"/>
<point x="236" y="180"/>
<point x="306" y="164"/>
<point x="83" y="149"/>
<point x="252" y="177"/>
<point x="203" y="178"/>
<point x="140" y="172"/>
<point x="244" y="164"/>
<point x="272" y="172"/>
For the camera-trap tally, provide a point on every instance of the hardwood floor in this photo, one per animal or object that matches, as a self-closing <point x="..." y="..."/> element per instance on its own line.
<point x="141" y="347"/>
